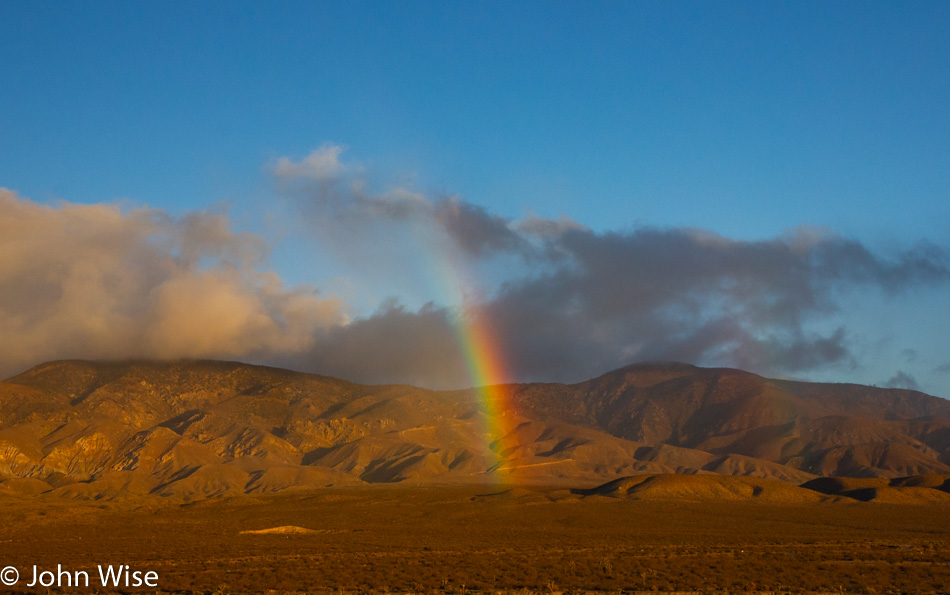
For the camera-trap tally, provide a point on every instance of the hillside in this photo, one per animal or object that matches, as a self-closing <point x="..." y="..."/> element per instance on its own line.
<point x="191" y="430"/>
<point x="822" y="429"/>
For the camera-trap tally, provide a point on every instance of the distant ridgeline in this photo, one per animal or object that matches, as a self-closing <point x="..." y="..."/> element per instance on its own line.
<point x="191" y="430"/>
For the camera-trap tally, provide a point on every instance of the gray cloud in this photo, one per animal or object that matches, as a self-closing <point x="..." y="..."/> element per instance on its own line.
<point x="583" y="302"/>
<point x="694" y="296"/>
<point x="393" y="345"/>
<point x="475" y="230"/>
<point x="910" y="355"/>
<point x="902" y="380"/>
<point x="340" y="204"/>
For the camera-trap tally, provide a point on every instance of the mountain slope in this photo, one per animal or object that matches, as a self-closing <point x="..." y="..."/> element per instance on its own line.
<point x="196" y="429"/>
<point x="824" y="429"/>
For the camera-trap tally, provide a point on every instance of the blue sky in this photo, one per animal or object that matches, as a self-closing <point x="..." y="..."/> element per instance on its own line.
<point x="746" y="119"/>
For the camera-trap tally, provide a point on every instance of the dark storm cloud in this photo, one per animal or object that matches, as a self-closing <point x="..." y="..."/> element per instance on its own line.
<point x="676" y="295"/>
<point x="694" y="296"/>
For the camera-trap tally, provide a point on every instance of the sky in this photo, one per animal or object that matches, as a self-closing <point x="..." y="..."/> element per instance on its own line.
<point x="344" y="188"/>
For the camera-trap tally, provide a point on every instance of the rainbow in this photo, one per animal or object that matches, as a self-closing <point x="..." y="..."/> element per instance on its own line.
<point x="484" y="360"/>
<point x="485" y="363"/>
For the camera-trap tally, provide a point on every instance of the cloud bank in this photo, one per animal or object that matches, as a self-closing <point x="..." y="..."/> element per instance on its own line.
<point x="91" y="281"/>
<point x="564" y="302"/>
<point x="584" y="301"/>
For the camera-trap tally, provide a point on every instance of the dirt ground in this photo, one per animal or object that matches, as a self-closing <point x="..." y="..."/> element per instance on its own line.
<point x="482" y="539"/>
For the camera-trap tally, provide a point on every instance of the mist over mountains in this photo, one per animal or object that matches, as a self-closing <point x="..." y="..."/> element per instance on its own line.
<point x="190" y="430"/>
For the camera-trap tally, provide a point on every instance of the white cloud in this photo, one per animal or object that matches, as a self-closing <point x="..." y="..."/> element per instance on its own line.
<point x="91" y="281"/>
<point x="322" y="164"/>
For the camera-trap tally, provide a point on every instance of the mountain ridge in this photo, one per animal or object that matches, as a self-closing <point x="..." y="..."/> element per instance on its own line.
<point x="193" y="429"/>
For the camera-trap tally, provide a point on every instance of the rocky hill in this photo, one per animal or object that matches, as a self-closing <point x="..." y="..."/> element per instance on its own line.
<point x="822" y="429"/>
<point x="196" y="429"/>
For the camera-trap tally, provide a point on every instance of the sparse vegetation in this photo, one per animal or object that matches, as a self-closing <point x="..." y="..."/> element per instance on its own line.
<point x="211" y="474"/>
<point x="442" y="541"/>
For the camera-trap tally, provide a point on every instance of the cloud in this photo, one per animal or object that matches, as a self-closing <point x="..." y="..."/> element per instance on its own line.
<point x="394" y="345"/>
<point x="92" y="281"/>
<point x="564" y="302"/>
<point x="902" y="380"/>
<point x="322" y="164"/>
<point x="576" y="302"/>
<point x="910" y="355"/>
<point x="475" y="230"/>
<point x="340" y="201"/>
<point x="548" y="229"/>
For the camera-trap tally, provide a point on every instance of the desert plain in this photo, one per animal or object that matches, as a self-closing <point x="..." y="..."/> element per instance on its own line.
<point x="482" y="539"/>
<point x="220" y="477"/>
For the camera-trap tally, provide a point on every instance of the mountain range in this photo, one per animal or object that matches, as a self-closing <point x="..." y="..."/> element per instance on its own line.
<point x="189" y="430"/>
